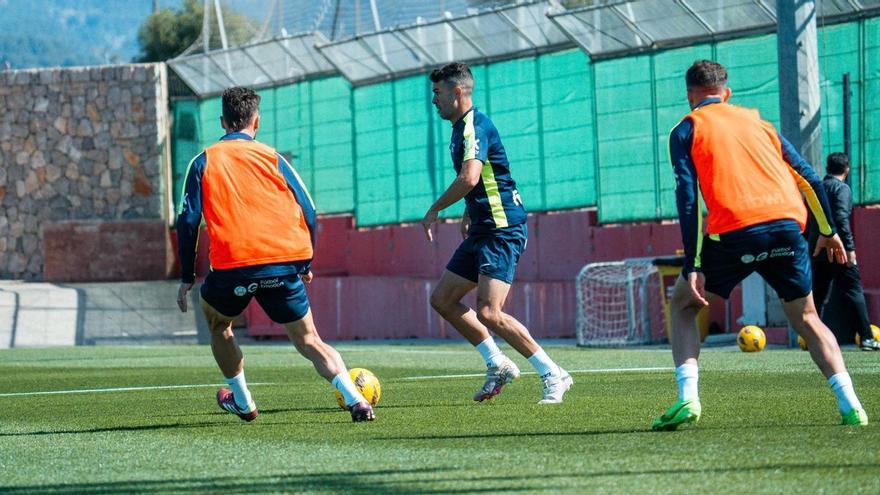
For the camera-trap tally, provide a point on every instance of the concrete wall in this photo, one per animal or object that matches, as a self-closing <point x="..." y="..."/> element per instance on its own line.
<point x="78" y="144"/>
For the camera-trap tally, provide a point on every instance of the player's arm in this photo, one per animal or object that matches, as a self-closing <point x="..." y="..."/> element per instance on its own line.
<point x="466" y="179"/>
<point x="305" y="202"/>
<point x="189" y="219"/>
<point x="810" y="186"/>
<point x="686" y="195"/>
<point x="463" y="183"/>
<point x="471" y="169"/>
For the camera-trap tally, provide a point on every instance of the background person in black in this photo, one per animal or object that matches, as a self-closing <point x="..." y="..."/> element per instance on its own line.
<point x="847" y="287"/>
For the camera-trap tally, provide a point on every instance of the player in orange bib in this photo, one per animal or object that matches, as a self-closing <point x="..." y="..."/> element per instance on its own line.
<point x="754" y="184"/>
<point x="261" y="223"/>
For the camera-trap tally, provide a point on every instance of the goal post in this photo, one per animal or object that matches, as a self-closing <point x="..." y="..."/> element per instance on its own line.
<point x="620" y="303"/>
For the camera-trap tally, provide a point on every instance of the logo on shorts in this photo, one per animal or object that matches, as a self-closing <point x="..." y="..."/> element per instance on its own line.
<point x="747" y="258"/>
<point x="240" y="291"/>
<point x="762" y="256"/>
<point x="271" y="283"/>
<point x="783" y="251"/>
<point x="252" y="287"/>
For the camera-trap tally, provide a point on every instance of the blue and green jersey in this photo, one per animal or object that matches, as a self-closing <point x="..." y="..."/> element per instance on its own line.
<point x="494" y="203"/>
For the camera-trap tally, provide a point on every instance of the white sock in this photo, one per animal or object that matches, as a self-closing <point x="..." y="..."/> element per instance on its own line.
<point x="240" y="391"/>
<point x="543" y="364"/>
<point x="491" y="353"/>
<point x="687" y="376"/>
<point x="346" y="387"/>
<point x="842" y="386"/>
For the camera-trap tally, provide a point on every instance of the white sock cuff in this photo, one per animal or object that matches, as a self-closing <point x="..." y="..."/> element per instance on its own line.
<point x="687" y="370"/>
<point x="840" y="380"/>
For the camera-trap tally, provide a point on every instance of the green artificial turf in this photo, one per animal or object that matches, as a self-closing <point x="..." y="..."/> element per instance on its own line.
<point x="769" y="425"/>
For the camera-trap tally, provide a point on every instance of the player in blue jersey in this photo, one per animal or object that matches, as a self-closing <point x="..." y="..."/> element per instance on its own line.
<point x="494" y="230"/>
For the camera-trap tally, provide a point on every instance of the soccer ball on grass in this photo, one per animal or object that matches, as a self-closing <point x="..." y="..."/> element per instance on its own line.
<point x="368" y="385"/>
<point x="751" y="339"/>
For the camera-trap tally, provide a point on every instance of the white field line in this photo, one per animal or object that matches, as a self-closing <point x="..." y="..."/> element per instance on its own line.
<point x="117" y="389"/>
<point x="597" y="370"/>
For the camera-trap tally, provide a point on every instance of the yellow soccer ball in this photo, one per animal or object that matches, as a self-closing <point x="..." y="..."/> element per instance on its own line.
<point x="751" y="339"/>
<point x="367" y="383"/>
<point x="802" y="343"/>
<point x="874" y="330"/>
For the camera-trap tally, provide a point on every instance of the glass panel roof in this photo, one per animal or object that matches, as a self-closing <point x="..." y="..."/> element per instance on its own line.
<point x="507" y="31"/>
<point x="522" y="28"/>
<point x="265" y="63"/>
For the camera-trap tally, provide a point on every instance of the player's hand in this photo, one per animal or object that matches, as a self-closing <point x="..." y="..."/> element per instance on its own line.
<point x="833" y="247"/>
<point x="181" y="296"/>
<point x="697" y="283"/>
<point x="851" y="258"/>
<point x="307" y="277"/>
<point x="465" y="225"/>
<point x="428" y="222"/>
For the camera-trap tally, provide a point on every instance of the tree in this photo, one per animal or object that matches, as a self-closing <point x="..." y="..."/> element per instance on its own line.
<point x="167" y="33"/>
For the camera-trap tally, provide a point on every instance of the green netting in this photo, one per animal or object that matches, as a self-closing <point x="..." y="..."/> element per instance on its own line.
<point x="514" y="104"/>
<point x="414" y="140"/>
<point x="185" y="145"/>
<point x="870" y="111"/>
<point x="672" y="105"/>
<point x="375" y="155"/>
<point x="648" y="90"/>
<point x="566" y="103"/>
<point x="577" y="133"/>
<point x="626" y="138"/>
<point x="317" y="115"/>
<point x="839" y="54"/>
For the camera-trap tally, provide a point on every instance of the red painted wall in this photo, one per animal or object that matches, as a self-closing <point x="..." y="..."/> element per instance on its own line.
<point x="375" y="283"/>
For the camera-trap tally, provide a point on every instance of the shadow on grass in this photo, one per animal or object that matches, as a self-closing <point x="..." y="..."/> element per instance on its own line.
<point x="386" y="481"/>
<point x="113" y="429"/>
<point x="489" y="436"/>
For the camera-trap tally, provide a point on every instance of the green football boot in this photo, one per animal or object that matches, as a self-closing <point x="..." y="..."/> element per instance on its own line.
<point x="856" y="417"/>
<point x="682" y="412"/>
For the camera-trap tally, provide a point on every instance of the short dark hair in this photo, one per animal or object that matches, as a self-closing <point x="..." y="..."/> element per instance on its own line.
<point x="239" y="106"/>
<point x="706" y="74"/>
<point x="837" y="163"/>
<point x="456" y="73"/>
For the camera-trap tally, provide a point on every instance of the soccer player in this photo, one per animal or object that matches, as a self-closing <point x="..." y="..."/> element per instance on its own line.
<point x="752" y="181"/>
<point x="494" y="230"/>
<point x="261" y="225"/>
<point x="845" y="277"/>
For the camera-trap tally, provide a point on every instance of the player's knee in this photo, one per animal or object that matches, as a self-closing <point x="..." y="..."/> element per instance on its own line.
<point x="489" y="315"/>
<point x="440" y="302"/>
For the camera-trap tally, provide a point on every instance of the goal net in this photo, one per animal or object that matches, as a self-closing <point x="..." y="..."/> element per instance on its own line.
<point x="620" y="303"/>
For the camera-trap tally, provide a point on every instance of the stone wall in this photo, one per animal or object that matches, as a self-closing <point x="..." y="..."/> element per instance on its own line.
<point x="78" y="144"/>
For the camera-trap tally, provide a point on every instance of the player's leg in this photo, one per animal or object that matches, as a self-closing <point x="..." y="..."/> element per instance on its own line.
<point x="446" y="300"/>
<point x="221" y="302"/>
<point x="851" y="287"/>
<point x="723" y="268"/>
<point x="491" y="294"/>
<point x="802" y="315"/>
<point x="288" y="304"/>
<point x="685" y="340"/>
<point x="790" y="276"/>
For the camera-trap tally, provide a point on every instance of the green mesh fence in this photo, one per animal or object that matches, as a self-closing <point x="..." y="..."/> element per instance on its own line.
<point x="577" y="134"/>
<point x="870" y="112"/>
<point x="185" y="144"/>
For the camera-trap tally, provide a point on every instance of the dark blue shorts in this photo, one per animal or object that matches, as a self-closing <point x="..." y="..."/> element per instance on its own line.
<point x="780" y="256"/>
<point x="494" y="254"/>
<point x="283" y="298"/>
